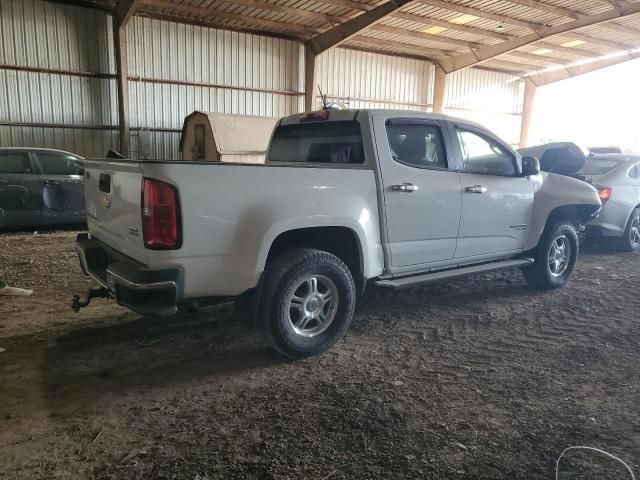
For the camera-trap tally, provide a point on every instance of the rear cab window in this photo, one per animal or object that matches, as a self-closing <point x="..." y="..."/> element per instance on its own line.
<point x="333" y="142"/>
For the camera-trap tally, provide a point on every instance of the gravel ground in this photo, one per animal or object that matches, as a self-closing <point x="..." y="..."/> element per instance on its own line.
<point x="479" y="378"/>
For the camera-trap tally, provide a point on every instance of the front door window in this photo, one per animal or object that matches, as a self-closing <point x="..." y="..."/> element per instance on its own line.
<point x="483" y="155"/>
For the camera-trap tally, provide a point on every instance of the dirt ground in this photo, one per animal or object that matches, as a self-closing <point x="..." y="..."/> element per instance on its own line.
<point x="480" y="378"/>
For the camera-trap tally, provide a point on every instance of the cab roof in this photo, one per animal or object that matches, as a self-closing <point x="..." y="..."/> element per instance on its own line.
<point x="352" y="114"/>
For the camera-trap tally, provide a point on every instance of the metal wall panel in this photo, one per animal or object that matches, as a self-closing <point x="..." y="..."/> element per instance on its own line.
<point x="55" y="98"/>
<point x="483" y="90"/>
<point x="89" y="143"/>
<point x="505" y="125"/>
<point x="74" y="41"/>
<point x="492" y="99"/>
<point x="206" y="69"/>
<point x="50" y="35"/>
<point x="371" y="80"/>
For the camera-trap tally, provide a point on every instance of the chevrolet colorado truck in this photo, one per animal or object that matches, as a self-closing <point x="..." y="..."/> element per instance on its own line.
<point x="345" y="198"/>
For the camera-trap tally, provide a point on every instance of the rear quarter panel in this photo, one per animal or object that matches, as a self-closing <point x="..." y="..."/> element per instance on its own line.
<point x="231" y="214"/>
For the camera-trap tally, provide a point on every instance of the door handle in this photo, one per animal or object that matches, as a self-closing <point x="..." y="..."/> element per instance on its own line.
<point x="51" y="182"/>
<point x="404" y="187"/>
<point x="476" y="189"/>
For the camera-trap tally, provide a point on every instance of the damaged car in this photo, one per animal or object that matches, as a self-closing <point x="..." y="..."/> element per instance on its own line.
<point x="40" y="187"/>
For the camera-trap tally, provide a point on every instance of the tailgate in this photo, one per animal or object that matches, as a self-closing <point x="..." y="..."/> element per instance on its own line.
<point x="113" y="197"/>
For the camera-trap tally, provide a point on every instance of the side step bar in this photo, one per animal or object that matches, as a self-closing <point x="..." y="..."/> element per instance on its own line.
<point x="405" y="282"/>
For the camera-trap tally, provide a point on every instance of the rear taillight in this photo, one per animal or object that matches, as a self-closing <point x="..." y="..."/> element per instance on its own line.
<point x="604" y="193"/>
<point x="160" y="215"/>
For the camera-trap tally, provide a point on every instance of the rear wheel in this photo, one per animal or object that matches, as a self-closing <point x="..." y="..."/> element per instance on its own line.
<point x="307" y="302"/>
<point x="555" y="257"/>
<point x="631" y="237"/>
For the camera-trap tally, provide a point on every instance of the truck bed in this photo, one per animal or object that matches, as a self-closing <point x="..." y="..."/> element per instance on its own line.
<point x="230" y="214"/>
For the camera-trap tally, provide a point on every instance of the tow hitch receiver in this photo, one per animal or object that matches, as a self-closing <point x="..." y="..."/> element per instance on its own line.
<point x="100" y="292"/>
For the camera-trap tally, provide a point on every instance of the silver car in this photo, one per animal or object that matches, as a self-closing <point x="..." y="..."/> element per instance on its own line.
<point x="617" y="178"/>
<point x="40" y="187"/>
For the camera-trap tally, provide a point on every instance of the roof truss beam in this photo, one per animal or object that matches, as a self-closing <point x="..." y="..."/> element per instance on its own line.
<point x="342" y="32"/>
<point x="124" y="10"/>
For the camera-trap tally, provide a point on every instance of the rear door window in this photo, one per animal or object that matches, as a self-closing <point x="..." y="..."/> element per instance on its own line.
<point x="59" y="164"/>
<point x="418" y="145"/>
<point x="15" y="163"/>
<point x="321" y="142"/>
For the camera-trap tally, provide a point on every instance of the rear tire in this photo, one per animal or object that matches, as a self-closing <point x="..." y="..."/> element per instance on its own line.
<point x="555" y="257"/>
<point x="630" y="240"/>
<point x="307" y="302"/>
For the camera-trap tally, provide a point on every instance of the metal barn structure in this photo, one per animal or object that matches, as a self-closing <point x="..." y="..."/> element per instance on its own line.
<point x="88" y="75"/>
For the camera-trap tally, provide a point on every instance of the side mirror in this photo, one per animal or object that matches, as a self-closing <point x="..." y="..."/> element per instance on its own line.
<point x="530" y="166"/>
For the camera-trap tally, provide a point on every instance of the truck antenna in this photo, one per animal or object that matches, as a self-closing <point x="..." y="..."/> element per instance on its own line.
<point x="323" y="98"/>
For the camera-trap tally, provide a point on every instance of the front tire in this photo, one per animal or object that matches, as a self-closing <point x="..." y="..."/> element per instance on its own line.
<point x="555" y="258"/>
<point x="307" y="302"/>
<point x="631" y="237"/>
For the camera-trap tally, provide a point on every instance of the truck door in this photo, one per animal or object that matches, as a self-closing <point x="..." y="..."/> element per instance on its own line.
<point x="421" y="192"/>
<point x="20" y="190"/>
<point x="62" y="178"/>
<point x="497" y="202"/>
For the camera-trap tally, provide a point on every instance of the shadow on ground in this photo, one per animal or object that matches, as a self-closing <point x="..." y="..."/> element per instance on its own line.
<point x="89" y="363"/>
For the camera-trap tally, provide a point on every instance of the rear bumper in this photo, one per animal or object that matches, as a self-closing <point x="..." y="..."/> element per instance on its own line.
<point x="604" y="230"/>
<point x="143" y="290"/>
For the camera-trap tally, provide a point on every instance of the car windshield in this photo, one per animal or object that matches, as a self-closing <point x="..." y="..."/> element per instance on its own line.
<point x="600" y="166"/>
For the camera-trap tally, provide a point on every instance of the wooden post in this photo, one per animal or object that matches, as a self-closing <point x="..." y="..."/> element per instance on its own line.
<point x="439" y="84"/>
<point x="122" y="74"/>
<point x="122" y="13"/>
<point x="527" y="110"/>
<point x="309" y="78"/>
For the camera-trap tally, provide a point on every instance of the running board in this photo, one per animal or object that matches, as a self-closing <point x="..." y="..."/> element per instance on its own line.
<point x="412" y="281"/>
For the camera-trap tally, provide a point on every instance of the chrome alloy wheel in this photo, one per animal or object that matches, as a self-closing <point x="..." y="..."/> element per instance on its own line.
<point x="634" y="231"/>
<point x="559" y="255"/>
<point x="313" y="305"/>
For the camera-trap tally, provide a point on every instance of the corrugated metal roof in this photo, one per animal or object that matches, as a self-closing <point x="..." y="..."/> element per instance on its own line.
<point x="423" y="27"/>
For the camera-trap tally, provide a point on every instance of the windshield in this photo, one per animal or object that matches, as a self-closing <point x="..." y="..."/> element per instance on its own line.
<point x="321" y="142"/>
<point x="600" y="166"/>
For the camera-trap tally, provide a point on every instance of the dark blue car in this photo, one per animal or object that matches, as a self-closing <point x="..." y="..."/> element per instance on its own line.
<point x="40" y="187"/>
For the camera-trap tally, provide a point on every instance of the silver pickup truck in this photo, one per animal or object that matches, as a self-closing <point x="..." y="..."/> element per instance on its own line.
<point x="346" y="197"/>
